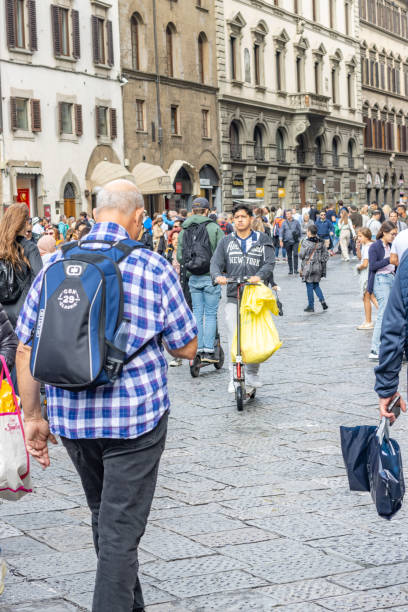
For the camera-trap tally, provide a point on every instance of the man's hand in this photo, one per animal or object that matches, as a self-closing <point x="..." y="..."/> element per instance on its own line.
<point x="221" y="280"/>
<point x="385" y="402"/>
<point x="254" y="279"/>
<point x="281" y="243"/>
<point x="37" y="433"/>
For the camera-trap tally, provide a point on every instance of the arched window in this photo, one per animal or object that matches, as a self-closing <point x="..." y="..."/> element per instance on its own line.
<point x="235" y="147"/>
<point x="170" y="30"/>
<point x="135" y="23"/>
<point x="280" y="146"/>
<point x="335" y="153"/>
<point x="202" y="57"/>
<point x="350" y="154"/>
<point x="259" y="152"/>
<point x="301" y="150"/>
<point x="318" y="153"/>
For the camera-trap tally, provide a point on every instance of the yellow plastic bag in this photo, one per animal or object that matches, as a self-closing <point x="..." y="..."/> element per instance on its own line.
<point x="259" y="336"/>
<point x="6" y="398"/>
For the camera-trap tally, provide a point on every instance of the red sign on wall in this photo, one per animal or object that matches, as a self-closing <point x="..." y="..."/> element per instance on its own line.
<point x="47" y="211"/>
<point x="179" y="187"/>
<point x="23" y="196"/>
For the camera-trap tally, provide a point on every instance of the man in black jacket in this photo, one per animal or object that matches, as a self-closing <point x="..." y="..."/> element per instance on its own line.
<point x="244" y="253"/>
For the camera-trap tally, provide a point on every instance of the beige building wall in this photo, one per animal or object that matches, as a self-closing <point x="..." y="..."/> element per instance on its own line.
<point x="384" y="65"/>
<point x="290" y="108"/>
<point x="171" y="93"/>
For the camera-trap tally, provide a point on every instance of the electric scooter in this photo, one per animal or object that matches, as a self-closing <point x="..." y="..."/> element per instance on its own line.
<point x="196" y="364"/>
<point x="239" y="366"/>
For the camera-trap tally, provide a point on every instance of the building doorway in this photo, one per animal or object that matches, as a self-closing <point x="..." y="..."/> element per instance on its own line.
<point x="69" y="201"/>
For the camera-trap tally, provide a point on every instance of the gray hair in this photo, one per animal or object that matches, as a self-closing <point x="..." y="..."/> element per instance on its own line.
<point x="124" y="200"/>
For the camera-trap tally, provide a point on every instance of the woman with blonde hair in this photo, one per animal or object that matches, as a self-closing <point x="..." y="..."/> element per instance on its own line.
<point x="346" y="230"/>
<point x="20" y="260"/>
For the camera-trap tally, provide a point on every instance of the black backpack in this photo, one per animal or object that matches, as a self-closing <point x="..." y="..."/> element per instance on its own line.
<point x="12" y="283"/>
<point x="197" y="251"/>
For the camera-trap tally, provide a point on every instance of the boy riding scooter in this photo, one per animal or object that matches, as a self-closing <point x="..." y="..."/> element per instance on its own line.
<point x="243" y="254"/>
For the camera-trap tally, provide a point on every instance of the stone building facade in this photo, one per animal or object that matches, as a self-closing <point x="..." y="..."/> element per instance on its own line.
<point x="60" y="101"/>
<point x="384" y="68"/>
<point x="168" y="57"/>
<point x="290" y="101"/>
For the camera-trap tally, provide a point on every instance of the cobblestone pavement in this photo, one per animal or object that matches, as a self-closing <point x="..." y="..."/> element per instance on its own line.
<point x="252" y="510"/>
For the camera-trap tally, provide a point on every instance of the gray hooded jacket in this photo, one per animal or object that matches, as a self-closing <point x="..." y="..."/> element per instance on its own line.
<point x="229" y="260"/>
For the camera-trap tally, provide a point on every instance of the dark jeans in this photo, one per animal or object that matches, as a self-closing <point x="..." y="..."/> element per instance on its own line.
<point x="310" y="287"/>
<point x="119" y="478"/>
<point x="292" y="251"/>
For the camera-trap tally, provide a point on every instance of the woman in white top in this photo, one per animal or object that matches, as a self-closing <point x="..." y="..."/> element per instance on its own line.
<point x="363" y="244"/>
<point x="346" y="232"/>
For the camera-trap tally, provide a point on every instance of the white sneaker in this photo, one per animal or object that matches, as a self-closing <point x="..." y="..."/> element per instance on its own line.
<point x="373" y="356"/>
<point x="175" y="362"/>
<point x="231" y="387"/>
<point x="366" y="326"/>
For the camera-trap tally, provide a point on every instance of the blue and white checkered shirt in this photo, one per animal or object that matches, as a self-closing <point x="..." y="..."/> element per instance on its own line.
<point x="134" y="404"/>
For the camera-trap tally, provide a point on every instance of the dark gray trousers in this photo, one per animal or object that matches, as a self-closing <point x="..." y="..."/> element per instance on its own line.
<point x="119" y="479"/>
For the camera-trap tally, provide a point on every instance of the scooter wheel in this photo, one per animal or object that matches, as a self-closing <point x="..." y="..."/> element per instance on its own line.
<point x="220" y="362"/>
<point x="195" y="367"/>
<point x="240" y="398"/>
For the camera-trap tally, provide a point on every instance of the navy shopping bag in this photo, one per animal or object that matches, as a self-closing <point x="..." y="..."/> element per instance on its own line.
<point x="385" y="472"/>
<point x="355" y="443"/>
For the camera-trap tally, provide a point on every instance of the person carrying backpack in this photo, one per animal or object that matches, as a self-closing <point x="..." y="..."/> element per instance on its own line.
<point x="314" y="256"/>
<point x="107" y="394"/>
<point x="197" y="242"/>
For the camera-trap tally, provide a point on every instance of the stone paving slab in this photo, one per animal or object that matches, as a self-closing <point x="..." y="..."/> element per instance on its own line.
<point x="168" y="546"/>
<point x="368" y="549"/>
<point x="306" y="527"/>
<point x="194" y="525"/>
<point x="21" y="592"/>
<point x="364" y="601"/>
<point x="373" y="578"/>
<point x="13" y="547"/>
<point x="237" y="536"/>
<point x="210" y="583"/>
<point x="192" y="567"/>
<point x="64" y="538"/>
<point x="305" y="590"/>
<point x="40" y="520"/>
<point x="55" y="564"/>
<point x="6" y="531"/>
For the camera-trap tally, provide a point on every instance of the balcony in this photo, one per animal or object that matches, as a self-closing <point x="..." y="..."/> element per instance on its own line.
<point x="336" y="163"/>
<point x="236" y="151"/>
<point x="310" y="103"/>
<point x="300" y="156"/>
<point x="259" y="153"/>
<point x="281" y="156"/>
<point x="319" y="159"/>
<point x="351" y="162"/>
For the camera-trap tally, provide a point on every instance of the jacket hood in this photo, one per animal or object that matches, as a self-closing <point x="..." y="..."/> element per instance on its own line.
<point x="195" y="219"/>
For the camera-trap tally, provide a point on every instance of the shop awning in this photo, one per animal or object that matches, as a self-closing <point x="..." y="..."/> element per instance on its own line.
<point x="177" y="165"/>
<point x="105" y="172"/>
<point x="151" y="179"/>
<point x="27" y="169"/>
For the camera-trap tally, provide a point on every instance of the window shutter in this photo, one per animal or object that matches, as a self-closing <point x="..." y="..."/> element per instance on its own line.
<point x="10" y="16"/>
<point x="55" y="19"/>
<point x="97" y="121"/>
<point x="110" y="43"/>
<point x="32" y="24"/>
<point x="59" y="117"/>
<point x="76" y="43"/>
<point x="13" y="113"/>
<point x="113" y="123"/>
<point x="94" y="24"/>
<point x="78" y="119"/>
<point x="35" y="116"/>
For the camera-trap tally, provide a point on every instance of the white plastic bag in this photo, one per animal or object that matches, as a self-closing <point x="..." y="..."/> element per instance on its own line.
<point x="15" y="477"/>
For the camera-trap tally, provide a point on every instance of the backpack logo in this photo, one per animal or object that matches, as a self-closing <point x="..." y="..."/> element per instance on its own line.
<point x="69" y="298"/>
<point x="74" y="270"/>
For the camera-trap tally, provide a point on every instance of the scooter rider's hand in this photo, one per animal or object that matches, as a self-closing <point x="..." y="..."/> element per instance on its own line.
<point x="221" y="280"/>
<point x="254" y="279"/>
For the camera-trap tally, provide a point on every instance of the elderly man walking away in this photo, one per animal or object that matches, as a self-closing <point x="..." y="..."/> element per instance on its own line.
<point x="115" y="433"/>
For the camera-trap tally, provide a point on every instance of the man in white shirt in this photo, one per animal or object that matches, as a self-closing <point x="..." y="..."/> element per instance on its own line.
<point x="398" y="248"/>
<point x="374" y="224"/>
<point x="38" y="227"/>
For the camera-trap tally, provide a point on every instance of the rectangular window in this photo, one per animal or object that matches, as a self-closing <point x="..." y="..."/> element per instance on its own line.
<point x="377" y="79"/>
<point x="174" y="126"/>
<point x="19" y="24"/>
<point x="332" y="14"/>
<point x="363" y="9"/>
<point x="205" y="116"/>
<point x="256" y="65"/>
<point x="316" y="77"/>
<point x="382" y="75"/>
<point x="372" y="72"/>
<point x="298" y="74"/>
<point x="102" y="121"/>
<point x="314" y="10"/>
<point x="278" y="71"/>
<point x="333" y="86"/>
<point x="347" y="18"/>
<point x="100" y="40"/>
<point x="233" y="41"/>
<point x="64" y="31"/>
<point x="21" y="105"/>
<point x="66" y="123"/>
<point x="140" y="121"/>
<point x="296" y="6"/>
<point x="349" y="91"/>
